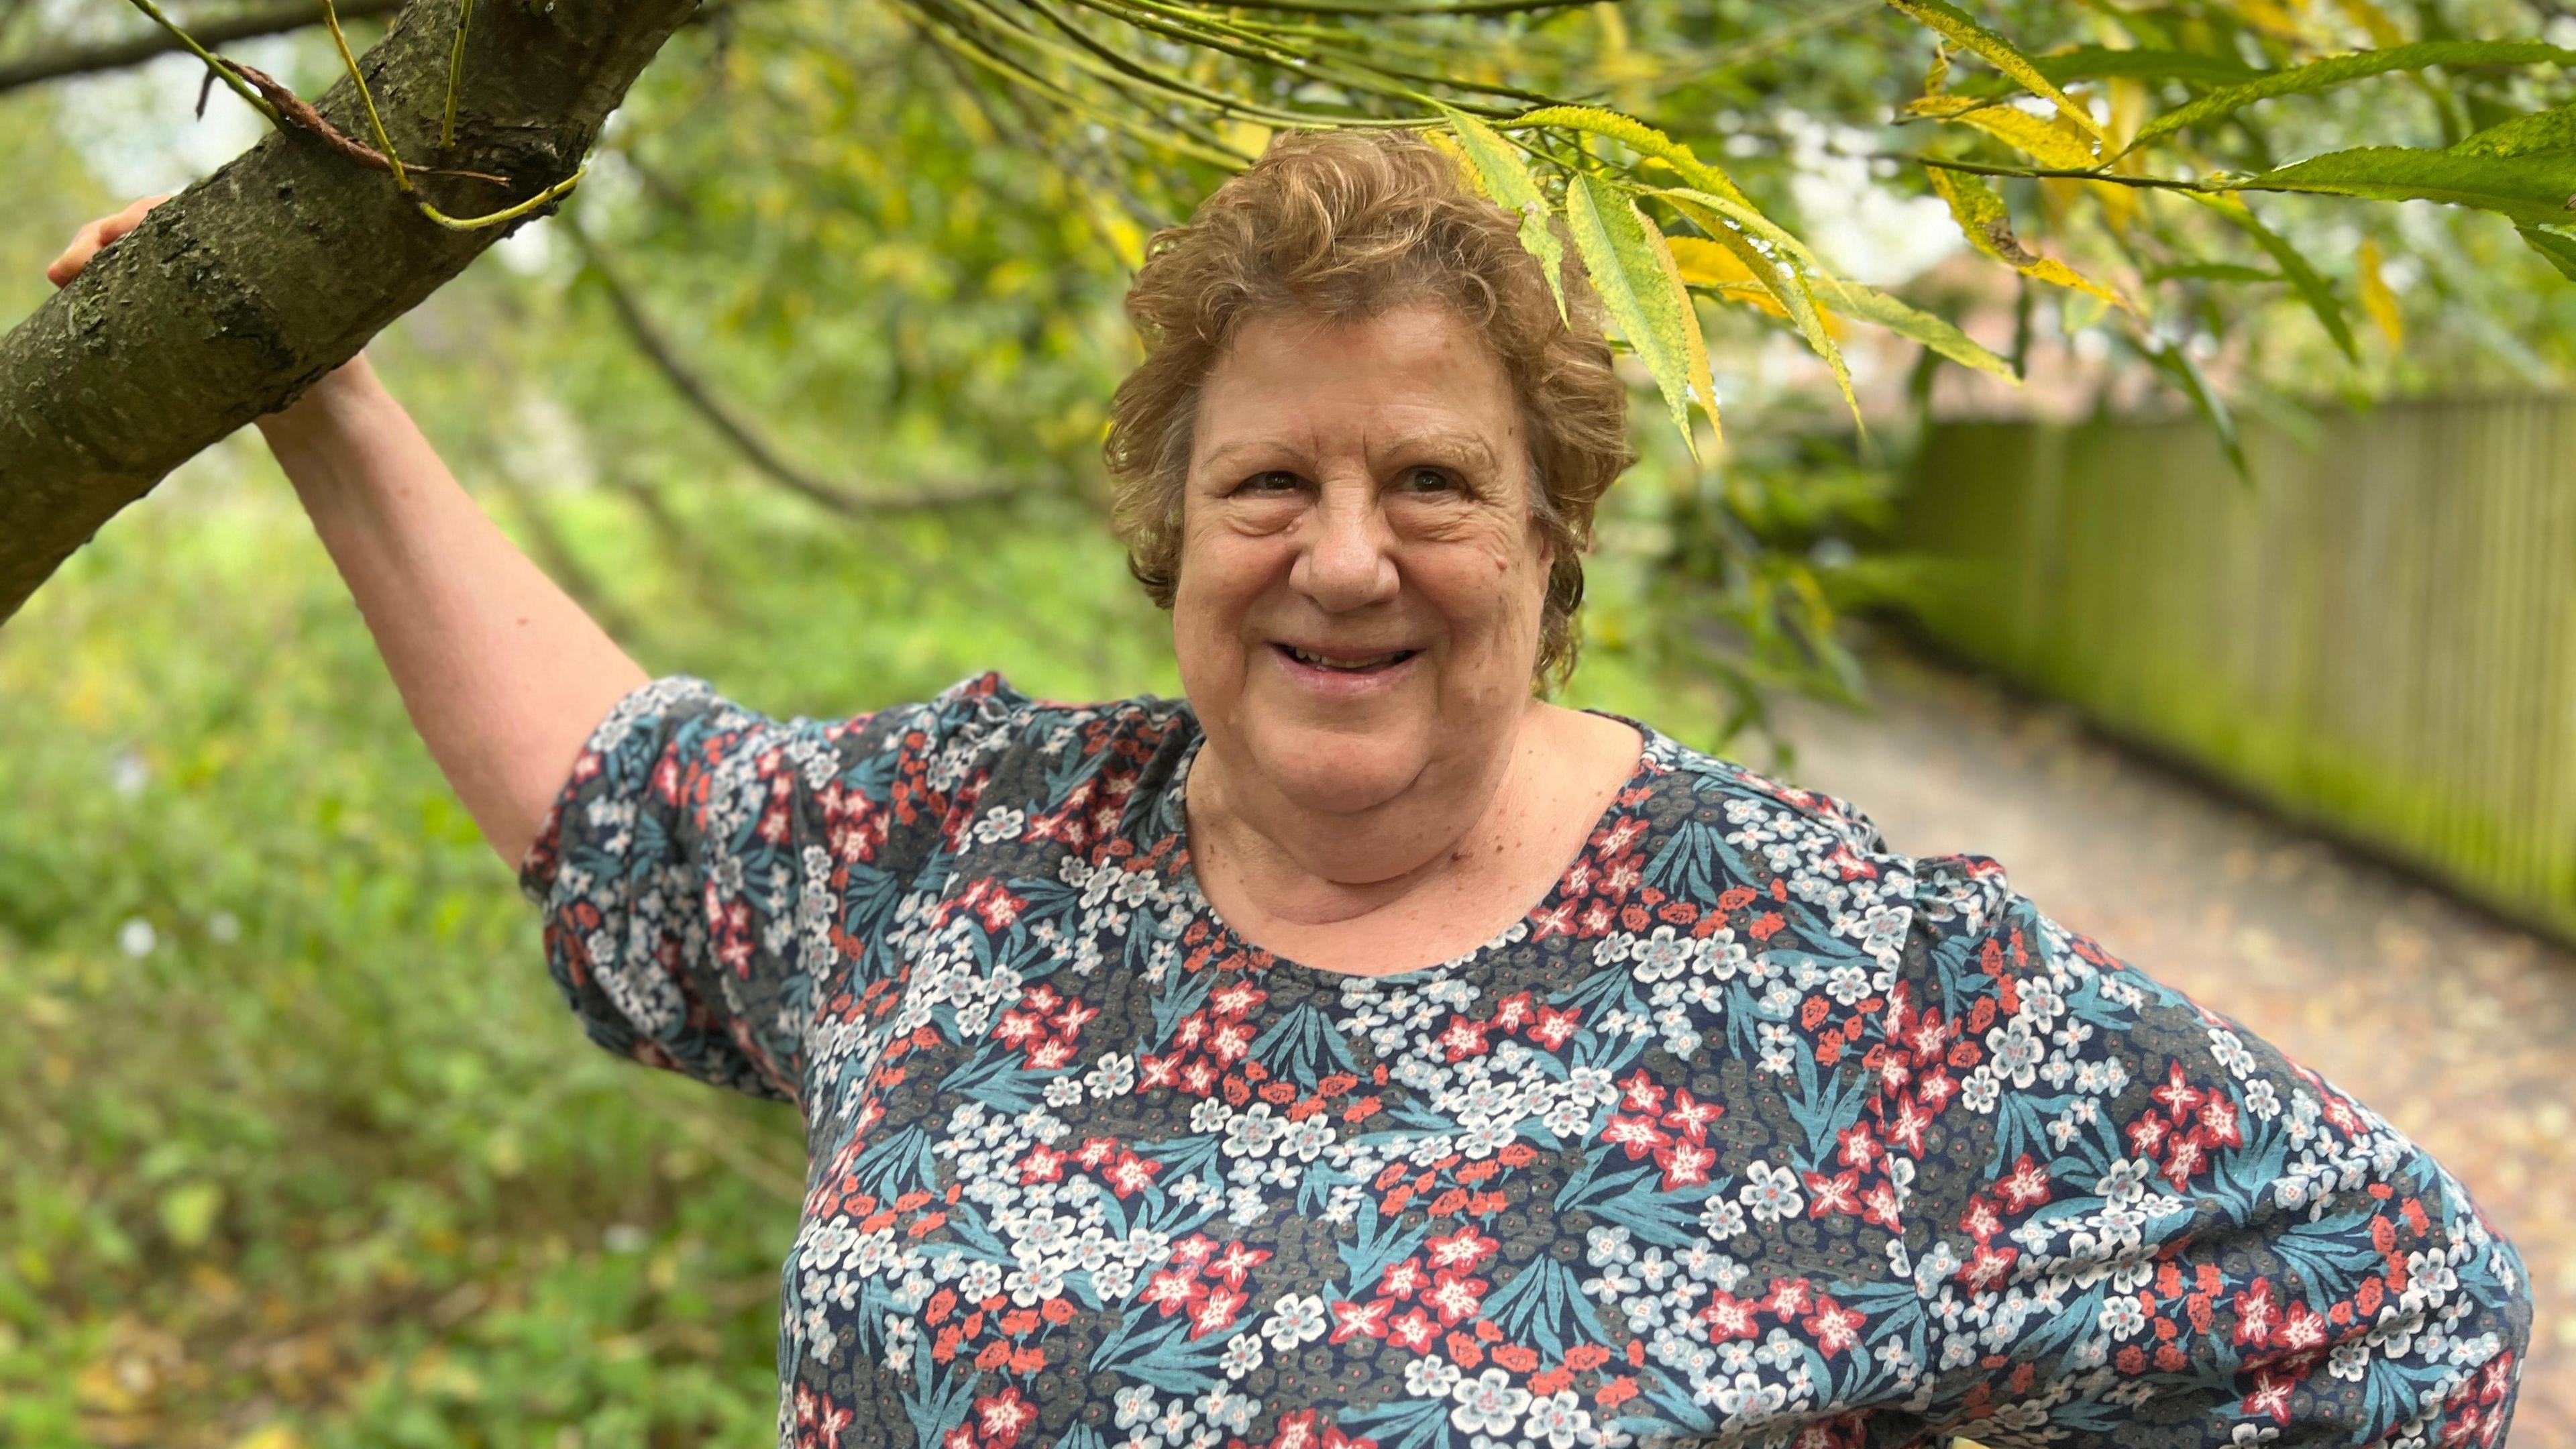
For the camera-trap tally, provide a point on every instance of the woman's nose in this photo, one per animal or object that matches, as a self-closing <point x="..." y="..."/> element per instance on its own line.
<point x="1348" y="560"/>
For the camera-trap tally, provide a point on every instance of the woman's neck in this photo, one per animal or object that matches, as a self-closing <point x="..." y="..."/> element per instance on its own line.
<point x="1446" y="842"/>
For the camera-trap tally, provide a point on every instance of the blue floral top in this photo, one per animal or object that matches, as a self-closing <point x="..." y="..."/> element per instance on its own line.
<point x="1753" y="1131"/>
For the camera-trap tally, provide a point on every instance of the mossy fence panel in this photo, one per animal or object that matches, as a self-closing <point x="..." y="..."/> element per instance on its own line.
<point x="2377" y="635"/>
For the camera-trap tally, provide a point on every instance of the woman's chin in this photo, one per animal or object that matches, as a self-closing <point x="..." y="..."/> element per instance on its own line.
<point x="1334" y="774"/>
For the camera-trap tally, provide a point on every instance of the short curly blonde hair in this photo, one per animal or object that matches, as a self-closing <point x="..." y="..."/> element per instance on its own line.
<point x="1345" y="225"/>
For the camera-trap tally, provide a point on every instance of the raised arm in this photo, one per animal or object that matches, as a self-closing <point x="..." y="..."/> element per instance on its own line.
<point x="504" y="676"/>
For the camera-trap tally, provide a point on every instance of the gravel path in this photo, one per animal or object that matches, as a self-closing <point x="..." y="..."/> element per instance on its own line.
<point x="2460" y="1029"/>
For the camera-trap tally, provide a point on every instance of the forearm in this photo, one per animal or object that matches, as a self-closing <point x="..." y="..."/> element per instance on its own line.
<point x="504" y="676"/>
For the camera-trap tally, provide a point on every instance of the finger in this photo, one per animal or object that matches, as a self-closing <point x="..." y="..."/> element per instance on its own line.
<point x="89" y="239"/>
<point x="84" y="246"/>
<point x="127" y="220"/>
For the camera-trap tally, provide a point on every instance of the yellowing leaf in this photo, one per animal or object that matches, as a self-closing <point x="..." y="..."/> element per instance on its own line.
<point x="2375" y="21"/>
<point x="2270" y="17"/>
<point x="1703" y="383"/>
<point x="1957" y="27"/>
<point x="1704" y="263"/>
<point x="2129" y="102"/>
<point x="1637" y="136"/>
<point x="1249" y="137"/>
<point x="1987" y="224"/>
<point x="274" y="1436"/>
<point x="1779" y="274"/>
<point x="2376" y="297"/>
<point x="1641" y="290"/>
<point x="2047" y="139"/>
<point x="1498" y="168"/>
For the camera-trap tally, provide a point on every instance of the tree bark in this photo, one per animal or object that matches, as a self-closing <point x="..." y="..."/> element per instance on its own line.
<point x="233" y="297"/>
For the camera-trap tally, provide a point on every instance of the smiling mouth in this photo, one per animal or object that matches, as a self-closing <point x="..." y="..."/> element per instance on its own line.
<point x="1346" y="663"/>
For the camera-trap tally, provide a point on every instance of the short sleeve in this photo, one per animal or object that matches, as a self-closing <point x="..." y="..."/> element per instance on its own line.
<point x="707" y="873"/>
<point x="2151" y="1228"/>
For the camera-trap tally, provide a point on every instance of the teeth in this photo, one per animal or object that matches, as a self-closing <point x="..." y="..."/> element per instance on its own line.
<point x="1320" y="662"/>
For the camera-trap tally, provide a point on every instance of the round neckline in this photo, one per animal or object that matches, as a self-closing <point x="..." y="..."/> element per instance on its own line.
<point x="1184" y="868"/>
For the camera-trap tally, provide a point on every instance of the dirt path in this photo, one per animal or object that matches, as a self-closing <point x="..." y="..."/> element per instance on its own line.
<point x="2459" y="1029"/>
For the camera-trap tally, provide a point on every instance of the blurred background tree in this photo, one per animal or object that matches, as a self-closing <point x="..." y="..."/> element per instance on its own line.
<point x="803" y="390"/>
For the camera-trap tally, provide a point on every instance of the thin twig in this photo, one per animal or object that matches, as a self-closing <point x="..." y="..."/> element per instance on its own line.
<point x="231" y="74"/>
<point x="755" y="449"/>
<point x="366" y="97"/>
<point x="294" y="110"/>
<point x="1464" y="7"/>
<point x="2149" y="183"/>
<point x="455" y="74"/>
<point x="57" y="63"/>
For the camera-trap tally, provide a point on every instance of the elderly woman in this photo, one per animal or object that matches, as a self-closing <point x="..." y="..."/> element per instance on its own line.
<point x="1362" y="1050"/>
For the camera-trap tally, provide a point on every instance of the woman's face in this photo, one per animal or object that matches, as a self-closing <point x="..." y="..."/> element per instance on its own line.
<point x="1360" y="583"/>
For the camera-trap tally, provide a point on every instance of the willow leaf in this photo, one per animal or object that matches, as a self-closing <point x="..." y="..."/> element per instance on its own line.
<point x="2097" y="62"/>
<point x="2537" y="134"/>
<point x="2559" y="250"/>
<point x="1637" y="136"/>
<point x="1639" y="290"/>
<point x="1986" y="222"/>
<point x="2212" y="272"/>
<point x="1508" y="182"/>
<point x="1703" y="382"/>
<point x="1778" y="274"/>
<point x="2312" y="288"/>
<point x="1869" y="304"/>
<point x="2339" y="69"/>
<point x="1962" y="30"/>
<point x="2046" y="139"/>
<point x="1744" y="218"/>
<point x="2175" y="363"/>
<point x="1709" y="265"/>
<point x="2377" y="298"/>
<point x="2533" y="190"/>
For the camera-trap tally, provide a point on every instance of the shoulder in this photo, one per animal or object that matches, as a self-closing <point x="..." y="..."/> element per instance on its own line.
<point x="1783" y="830"/>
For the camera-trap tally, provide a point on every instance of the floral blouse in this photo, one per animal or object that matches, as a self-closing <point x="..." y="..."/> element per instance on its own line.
<point x="1753" y="1131"/>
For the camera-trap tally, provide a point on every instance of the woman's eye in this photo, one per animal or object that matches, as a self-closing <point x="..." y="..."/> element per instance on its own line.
<point x="1275" y="480"/>
<point x="1429" y="480"/>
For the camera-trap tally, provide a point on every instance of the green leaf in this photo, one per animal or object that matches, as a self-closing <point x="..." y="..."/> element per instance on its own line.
<point x="188" y="1212"/>
<point x="1640" y="289"/>
<point x="2336" y="70"/>
<point x="2312" y="288"/>
<point x="2533" y="190"/>
<point x="2097" y="62"/>
<point x="2213" y="272"/>
<point x="2536" y="134"/>
<point x="2176" y="364"/>
<point x="1637" y="136"/>
<point x="1869" y="304"/>
<point x="1962" y="30"/>
<point x="1508" y="182"/>
<point x="2560" y="250"/>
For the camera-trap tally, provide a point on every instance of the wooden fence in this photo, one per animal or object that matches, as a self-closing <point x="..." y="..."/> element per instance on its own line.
<point x="2377" y="636"/>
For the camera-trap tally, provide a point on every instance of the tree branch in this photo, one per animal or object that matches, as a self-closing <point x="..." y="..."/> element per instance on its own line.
<point x="738" y="430"/>
<point x="236" y="295"/>
<point x="57" y="62"/>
